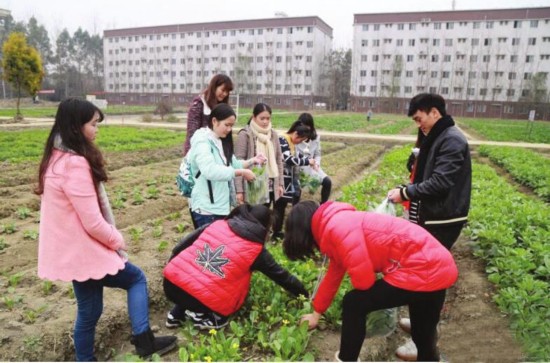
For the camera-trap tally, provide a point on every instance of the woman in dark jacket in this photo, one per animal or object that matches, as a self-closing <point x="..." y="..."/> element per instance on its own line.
<point x="208" y="276"/>
<point x="217" y="92"/>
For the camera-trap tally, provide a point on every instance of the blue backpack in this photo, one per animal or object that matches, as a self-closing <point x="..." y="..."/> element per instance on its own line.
<point x="185" y="178"/>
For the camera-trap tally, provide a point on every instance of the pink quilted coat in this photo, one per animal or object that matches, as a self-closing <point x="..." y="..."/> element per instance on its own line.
<point x="363" y="244"/>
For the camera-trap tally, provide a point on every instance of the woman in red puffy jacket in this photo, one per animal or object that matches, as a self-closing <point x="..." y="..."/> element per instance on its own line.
<point x="416" y="270"/>
<point x="208" y="276"/>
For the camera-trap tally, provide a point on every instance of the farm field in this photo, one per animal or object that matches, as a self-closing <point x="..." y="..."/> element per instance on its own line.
<point x="36" y="317"/>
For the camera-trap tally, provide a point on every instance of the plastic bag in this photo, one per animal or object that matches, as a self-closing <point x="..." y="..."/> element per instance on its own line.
<point x="258" y="190"/>
<point x="382" y="322"/>
<point x="386" y="207"/>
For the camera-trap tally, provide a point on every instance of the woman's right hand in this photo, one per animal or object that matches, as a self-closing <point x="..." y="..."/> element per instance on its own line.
<point x="313" y="164"/>
<point x="312" y="320"/>
<point x="240" y="198"/>
<point x="248" y="174"/>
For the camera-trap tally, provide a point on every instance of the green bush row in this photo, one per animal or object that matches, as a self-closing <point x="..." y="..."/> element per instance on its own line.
<point x="526" y="166"/>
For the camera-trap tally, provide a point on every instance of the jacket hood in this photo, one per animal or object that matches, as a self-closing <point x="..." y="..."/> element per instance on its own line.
<point x="201" y="135"/>
<point x="249" y="230"/>
<point x="322" y="216"/>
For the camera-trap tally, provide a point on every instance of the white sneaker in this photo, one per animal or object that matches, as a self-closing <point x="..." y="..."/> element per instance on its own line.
<point x="405" y="325"/>
<point x="407" y="351"/>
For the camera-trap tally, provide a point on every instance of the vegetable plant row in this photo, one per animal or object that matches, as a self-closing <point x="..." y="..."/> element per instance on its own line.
<point x="510" y="130"/>
<point x="511" y="231"/>
<point x="526" y="166"/>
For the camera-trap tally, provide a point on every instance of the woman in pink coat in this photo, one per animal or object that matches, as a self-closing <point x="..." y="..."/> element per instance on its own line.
<point x="78" y="238"/>
<point x="416" y="270"/>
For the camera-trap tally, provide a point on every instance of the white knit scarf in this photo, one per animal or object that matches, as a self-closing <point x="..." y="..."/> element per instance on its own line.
<point x="264" y="145"/>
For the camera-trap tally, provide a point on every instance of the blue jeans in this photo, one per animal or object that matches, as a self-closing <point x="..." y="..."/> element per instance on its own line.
<point x="89" y="297"/>
<point x="202" y="219"/>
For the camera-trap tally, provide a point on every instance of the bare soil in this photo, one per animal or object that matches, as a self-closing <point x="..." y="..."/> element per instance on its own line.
<point x="36" y="320"/>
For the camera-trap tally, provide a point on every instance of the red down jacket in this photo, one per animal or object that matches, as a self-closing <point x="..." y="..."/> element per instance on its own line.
<point x="215" y="269"/>
<point x="363" y="244"/>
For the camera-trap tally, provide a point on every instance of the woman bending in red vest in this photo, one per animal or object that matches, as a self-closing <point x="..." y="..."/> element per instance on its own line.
<point x="208" y="276"/>
<point x="417" y="270"/>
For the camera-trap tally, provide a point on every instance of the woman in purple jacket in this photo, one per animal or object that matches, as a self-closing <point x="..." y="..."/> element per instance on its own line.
<point x="217" y="92"/>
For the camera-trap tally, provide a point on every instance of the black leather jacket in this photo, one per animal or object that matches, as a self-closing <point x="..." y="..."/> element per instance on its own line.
<point x="265" y="263"/>
<point x="443" y="196"/>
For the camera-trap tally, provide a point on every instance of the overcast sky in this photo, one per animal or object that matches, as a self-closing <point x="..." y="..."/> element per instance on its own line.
<point x="98" y="15"/>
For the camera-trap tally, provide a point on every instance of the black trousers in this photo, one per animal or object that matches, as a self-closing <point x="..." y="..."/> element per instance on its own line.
<point x="183" y="301"/>
<point x="446" y="235"/>
<point x="279" y="208"/>
<point x="424" y="311"/>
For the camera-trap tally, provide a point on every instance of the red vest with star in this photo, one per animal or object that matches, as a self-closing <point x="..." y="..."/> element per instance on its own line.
<point x="215" y="269"/>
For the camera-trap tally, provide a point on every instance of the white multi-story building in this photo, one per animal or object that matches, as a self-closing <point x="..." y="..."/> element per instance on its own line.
<point x="483" y="62"/>
<point x="277" y="61"/>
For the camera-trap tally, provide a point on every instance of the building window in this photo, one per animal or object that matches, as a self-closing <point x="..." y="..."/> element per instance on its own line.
<point x="486" y="58"/>
<point x="364" y="42"/>
<point x="411" y="42"/>
<point x="532" y="41"/>
<point x="362" y="88"/>
<point x="475" y="42"/>
<point x="449" y="25"/>
<point x="435" y="42"/>
<point x="515" y="41"/>
<point x="487" y="41"/>
<point x="511" y="76"/>
<point x="517" y="24"/>
<point x="376" y="27"/>
<point x="365" y="27"/>
<point x="529" y="58"/>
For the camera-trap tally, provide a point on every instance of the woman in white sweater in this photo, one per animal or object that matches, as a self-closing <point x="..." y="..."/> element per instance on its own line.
<point x="312" y="149"/>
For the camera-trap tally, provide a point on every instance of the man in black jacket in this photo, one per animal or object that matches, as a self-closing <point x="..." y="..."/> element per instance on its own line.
<point x="439" y="193"/>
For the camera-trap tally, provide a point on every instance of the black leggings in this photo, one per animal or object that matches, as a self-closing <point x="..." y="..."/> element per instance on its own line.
<point x="326" y="186"/>
<point x="183" y="301"/>
<point x="424" y="310"/>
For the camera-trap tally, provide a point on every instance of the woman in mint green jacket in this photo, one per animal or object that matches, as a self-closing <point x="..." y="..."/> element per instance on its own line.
<point x="215" y="166"/>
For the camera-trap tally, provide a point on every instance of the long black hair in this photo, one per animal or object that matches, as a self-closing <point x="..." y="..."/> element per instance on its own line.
<point x="221" y="112"/>
<point x="71" y="115"/>
<point x="302" y="130"/>
<point x="299" y="242"/>
<point x="307" y="120"/>
<point x="215" y="82"/>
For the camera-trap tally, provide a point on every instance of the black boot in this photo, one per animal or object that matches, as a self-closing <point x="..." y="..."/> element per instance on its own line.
<point x="146" y="344"/>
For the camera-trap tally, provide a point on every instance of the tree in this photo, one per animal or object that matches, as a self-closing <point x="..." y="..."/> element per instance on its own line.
<point x="337" y="77"/>
<point x="37" y="37"/>
<point x="22" y="66"/>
